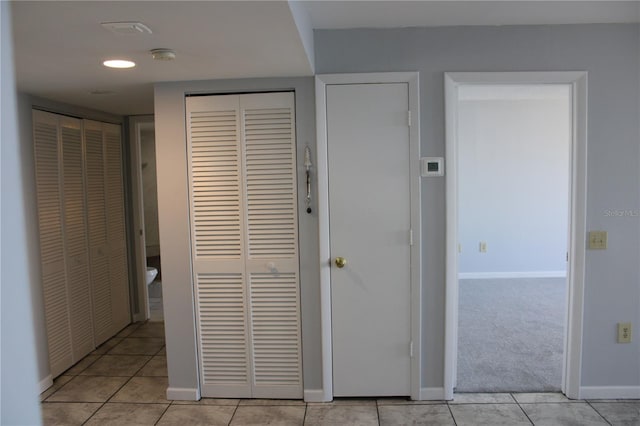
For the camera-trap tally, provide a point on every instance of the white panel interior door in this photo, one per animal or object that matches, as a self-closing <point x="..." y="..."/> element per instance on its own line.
<point x="369" y="208"/>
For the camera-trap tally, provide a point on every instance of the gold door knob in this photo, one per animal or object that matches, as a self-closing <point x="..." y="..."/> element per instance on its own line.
<point x="340" y="262"/>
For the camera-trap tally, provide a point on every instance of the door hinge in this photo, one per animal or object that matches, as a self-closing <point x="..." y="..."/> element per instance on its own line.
<point x="411" y="349"/>
<point x="409" y="118"/>
<point x="410" y="237"/>
<point x="567" y="256"/>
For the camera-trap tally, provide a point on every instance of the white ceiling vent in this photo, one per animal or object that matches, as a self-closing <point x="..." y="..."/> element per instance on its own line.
<point x="127" y="28"/>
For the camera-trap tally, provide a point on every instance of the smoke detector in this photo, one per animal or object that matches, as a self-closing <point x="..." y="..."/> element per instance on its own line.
<point x="163" y="54"/>
<point x="126" y="28"/>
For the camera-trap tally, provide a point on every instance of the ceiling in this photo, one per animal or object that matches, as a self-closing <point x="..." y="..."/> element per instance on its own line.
<point x="60" y="46"/>
<point x="389" y="14"/>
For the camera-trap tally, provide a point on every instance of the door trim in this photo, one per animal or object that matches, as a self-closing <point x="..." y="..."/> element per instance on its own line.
<point x="577" y="216"/>
<point x="321" y="82"/>
<point x="140" y="294"/>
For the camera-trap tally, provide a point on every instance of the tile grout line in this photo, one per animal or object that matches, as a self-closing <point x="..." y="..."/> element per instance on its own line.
<point x="163" y="413"/>
<point x="522" y="409"/>
<point x="235" y="410"/>
<point x="596" y="410"/>
<point x="119" y="389"/>
<point x="455" y="423"/>
<point x="304" y="418"/>
<point x="94" y="413"/>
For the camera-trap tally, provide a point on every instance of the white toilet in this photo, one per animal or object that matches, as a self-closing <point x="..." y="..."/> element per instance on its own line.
<point x="151" y="274"/>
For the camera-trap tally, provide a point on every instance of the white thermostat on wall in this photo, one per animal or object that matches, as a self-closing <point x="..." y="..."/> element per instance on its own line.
<point x="431" y="166"/>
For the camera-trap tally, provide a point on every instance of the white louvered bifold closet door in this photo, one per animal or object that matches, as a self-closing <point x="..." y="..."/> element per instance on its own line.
<point x="105" y="199"/>
<point x="76" y="245"/>
<point x="50" y="227"/>
<point x="242" y="172"/>
<point x="116" y="226"/>
<point x="79" y="186"/>
<point x="97" y="221"/>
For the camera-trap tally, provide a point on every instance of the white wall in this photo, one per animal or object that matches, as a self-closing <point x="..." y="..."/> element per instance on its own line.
<point x="513" y="180"/>
<point x="19" y="404"/>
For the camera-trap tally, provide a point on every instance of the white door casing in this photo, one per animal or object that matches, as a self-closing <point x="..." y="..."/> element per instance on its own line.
<point x="141" y="294"/>
<point x="577" y="225"/>
<point x="242" y="173"/>
<point x="370" y="203"/>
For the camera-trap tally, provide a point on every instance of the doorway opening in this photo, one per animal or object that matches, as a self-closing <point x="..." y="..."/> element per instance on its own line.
<point x="513" y="192"/>
<point x="516" y="158"/>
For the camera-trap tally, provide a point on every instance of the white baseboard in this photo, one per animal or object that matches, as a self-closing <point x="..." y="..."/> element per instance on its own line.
<point x="431" y="394"/>
<point x="45" y="383"/>
<point x="183" y="394"/>
<point x="315" y="395"/>
<point x="525" y="274"/>
<point x="610" y="392"/>
<point x="139" y="317"/>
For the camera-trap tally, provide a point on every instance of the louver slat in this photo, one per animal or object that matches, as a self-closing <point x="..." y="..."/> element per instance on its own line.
<point x="223" y="329"/>
<point x="275" y="329"/>
<point x="215" y="184"/>
<point x="270" y="183"/>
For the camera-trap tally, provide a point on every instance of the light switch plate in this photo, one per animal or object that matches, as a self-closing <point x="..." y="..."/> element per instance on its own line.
<point x="597" y="240"/>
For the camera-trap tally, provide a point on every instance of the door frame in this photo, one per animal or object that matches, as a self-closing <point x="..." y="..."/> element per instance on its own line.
<point x="321" y="81"/>
<point x="141" y="291"/>
<point x="577" y="215"/>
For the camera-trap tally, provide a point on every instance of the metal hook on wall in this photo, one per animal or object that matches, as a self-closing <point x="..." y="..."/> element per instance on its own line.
<point x="307" y="165"/>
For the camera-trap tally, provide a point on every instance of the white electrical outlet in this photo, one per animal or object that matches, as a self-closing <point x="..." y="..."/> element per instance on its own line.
<point x="598" y="240"/>
<point x="483" y="247"/>
<point x="624" y="332"/>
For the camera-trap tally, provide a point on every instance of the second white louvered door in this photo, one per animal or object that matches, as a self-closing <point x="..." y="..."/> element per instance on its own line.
<point x="106" y="228"/>
<point x="242" y="172"/>
<point x="80" y="196"/>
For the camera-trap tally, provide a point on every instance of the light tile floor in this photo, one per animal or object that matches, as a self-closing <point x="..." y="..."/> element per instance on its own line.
<point x="124" y="381"/>
<point x="156" y="309"/>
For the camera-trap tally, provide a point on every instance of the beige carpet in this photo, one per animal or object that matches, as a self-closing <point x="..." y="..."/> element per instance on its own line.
<point x="510" y="335"/>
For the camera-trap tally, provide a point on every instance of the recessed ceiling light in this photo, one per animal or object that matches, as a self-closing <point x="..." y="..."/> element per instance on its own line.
<point x="119" y="63"/>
